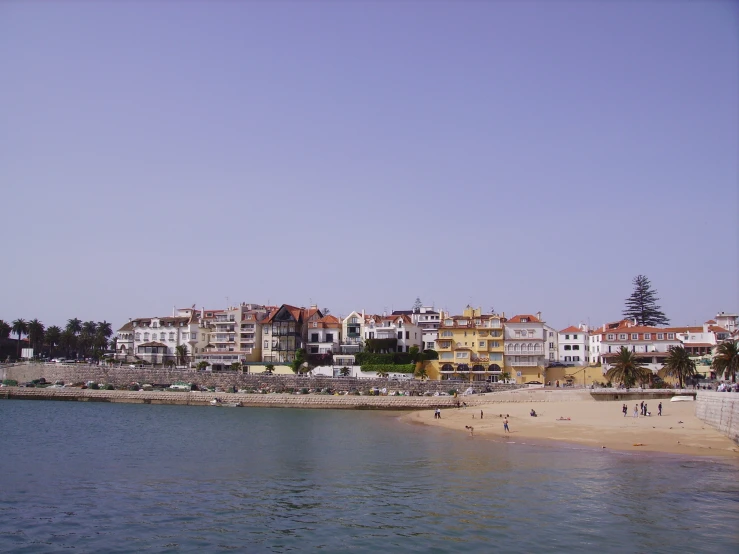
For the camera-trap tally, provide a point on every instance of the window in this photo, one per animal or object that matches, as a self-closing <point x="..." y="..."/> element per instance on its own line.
<point x="634" y="336"/>
<point x="266" y="330"/>
<point x="647" y="336"/>
<point x="314" y="337"/>
<point x="146" y="336"/>
<point x="660" y="336"/>
<point x="611" y="337"/>
<point x="576" y="347"/>
<point x="568" y="347"/>
<point x="461" y="354"/>
<point x="446" y="333"/>
<point x="329" y="337"/>
<point x="171" y="336"/>
<point x="567" y="337"/>
<point x="407" y="335"/>
<point x="551" y="334"/>
<point x="138" y="336"/>
<point x="353" y="320"/>
<point x="161" y="336"/>
<point x="574" y="337"/>
<point x="266" y="344"/>
<point x="518" y="334"/>
<point x="568" y="358"/>
<point x="575" y="358"/>
<point x="551" y="345"/>
<point x="482" y="344"/>
<point x="494" y="344"/>
<point x="670" y="336"/>
<point x="449" y="322"/>
<point x="400" y="334"/>
<point x="400" y="348"/>
<point x="496" y="357"/>
<point x="524" y="320"/>
<point x="314" y="350"/>
<point x="531" y="333"/>
<point x="622" y="336"/>
<point x="446" y="356"/>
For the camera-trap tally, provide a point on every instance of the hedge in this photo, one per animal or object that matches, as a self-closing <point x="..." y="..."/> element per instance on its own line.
<point x="371" y="358"/>
<point x="390" y="368"/>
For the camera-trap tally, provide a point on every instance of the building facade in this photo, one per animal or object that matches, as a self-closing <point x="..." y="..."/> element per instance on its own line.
<point x="526" y="347"/>
<point x="428" y="319"/>
<point x="398" y="327"/>
<point x="285" y="330"/>
<point x="573" y="345"/>
<point x="471" y="346"/>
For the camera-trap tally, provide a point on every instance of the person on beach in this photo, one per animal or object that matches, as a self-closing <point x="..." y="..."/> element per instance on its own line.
<point x="659" y="409"/>
<point x="625" y="409"/>
<point x="480" y="414"/>
<point x="646" y="411"/>
<point x="472" y="430"/>
<point x="505" y="425"/>
<point x="636" y="410"/>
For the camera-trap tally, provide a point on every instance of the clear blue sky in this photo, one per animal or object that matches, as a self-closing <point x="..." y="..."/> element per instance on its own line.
<point x="527" y="156"/>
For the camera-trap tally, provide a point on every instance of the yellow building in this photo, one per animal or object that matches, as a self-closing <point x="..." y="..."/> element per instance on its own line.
<point x="470" y="346"/>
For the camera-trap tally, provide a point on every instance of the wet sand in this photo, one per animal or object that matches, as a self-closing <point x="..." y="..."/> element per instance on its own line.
<point x="591" y="423"/>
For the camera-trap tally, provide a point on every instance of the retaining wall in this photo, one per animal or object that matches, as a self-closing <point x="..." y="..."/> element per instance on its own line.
<point x="74" y="373"/>
<point x="719" y="410"/>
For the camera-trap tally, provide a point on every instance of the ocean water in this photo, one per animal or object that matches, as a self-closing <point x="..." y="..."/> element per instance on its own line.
<point x="90" y="477"/>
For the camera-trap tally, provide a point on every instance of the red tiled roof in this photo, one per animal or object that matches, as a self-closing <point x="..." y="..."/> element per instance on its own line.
<point x="717" y="329"/>
<point x="572" y="329"/>
<point x="710" y="321"/>
<point x="518" y="318"/>
<point x="152" y="343"/>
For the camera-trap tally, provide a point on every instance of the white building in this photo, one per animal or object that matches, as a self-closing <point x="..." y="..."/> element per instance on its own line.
<point x="324" y="335"/>
<point x="156" y="340"/>
<point x="653" y="343"/>
<point x="551" y="340"/>
<point x="573" y="345"/>
<point x="427" y="318"/>
<point x="525" y="341"/>
<point x="399" y="327"/>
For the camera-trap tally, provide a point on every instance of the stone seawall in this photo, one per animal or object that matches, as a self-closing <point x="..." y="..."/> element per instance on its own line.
<point x="74" y="373"/>
<point x="250" y="400"/>
<point x="720" y="410"/>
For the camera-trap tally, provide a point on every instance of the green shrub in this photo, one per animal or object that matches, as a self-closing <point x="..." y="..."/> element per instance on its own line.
<point x="94" y="386"/>
<point x="134" y="387"/>
<point x="390" y="368"/>
<point x="303" y="391"/>
<point x="10" y="382"/>
<point x="109" y="387"/>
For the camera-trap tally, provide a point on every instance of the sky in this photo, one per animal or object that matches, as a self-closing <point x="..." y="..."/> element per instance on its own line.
<point x="521" y="156"/>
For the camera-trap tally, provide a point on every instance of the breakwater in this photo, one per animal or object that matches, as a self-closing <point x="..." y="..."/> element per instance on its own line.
<point x="719" y="410"/>
<point x="248" y="400"/>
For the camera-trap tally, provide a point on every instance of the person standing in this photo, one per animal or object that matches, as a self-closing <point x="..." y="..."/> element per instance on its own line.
<point x="645" y="409"/>
<point x="505" y="425"/>
<point x="636" y="410"/>
<point x="659" y="409"/>
<point x="625" y="409"/>
<point x="480" y="414"/>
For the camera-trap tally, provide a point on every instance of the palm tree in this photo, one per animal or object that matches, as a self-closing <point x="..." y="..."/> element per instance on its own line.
<point x="421" y="372"/>
<point x="90" y="328"/>
<point x="269" y="369"/>
<point x="181" y="353"/>
<point x="74" y="326"/>
<point x="67" y="341"/>
<point x="726" y="360"/>
<point x="52" y="337"/>
<point x="627" y="370"/>
<point x="20" y="327"/>
<point x="35" y="334"/>
<point x="382" y="373"/>
<point x="678" y="364"/>
<point x="4" y="330"/>
<point x="345" y="371"/>
<point x="104" y="329"/>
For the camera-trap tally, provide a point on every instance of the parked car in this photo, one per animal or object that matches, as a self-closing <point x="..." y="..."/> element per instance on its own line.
<point x="533" y="382"/>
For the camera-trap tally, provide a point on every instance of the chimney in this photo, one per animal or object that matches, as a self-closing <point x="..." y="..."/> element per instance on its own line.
<point x="538" y="316"/>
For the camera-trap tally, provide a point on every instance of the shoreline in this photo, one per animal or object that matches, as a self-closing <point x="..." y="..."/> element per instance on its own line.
<point x="591" y="424"/>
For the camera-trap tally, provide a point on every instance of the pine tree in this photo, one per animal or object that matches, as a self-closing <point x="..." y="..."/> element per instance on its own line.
<point x="642" y="304"/>
<point x="417" y="304"/>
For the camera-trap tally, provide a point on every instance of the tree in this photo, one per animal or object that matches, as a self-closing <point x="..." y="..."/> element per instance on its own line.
<point x="297" y="364"/>
<point x="642" y="304"/>
<point x="20" y="327"/>
<point x="627" y="370"/>
<point x="51" y="338"/>
<point x="89" y="328"/>
<point x="344" y="371"/>
<point x="678" y="364"/>
<point x="382" y="373"/>
<point x="417" y="305"/>
<point x="413" y="353"/>
<point x="269" y="369"/>
<point x="726" y="360"/>
<point x="4" y="330"/>
<point x="169" y="363"/>
<point x="236" y="366"/>
<point x="74" y="326"/>
<point x="181" y="353"/>
<point x="202" y="365"/>
<point x="35" y="334"/>
<point x="68" y="341"/>
<point x="421" y="372"/>
<point x="505" y="376"/>
<point x="104" y="329"/>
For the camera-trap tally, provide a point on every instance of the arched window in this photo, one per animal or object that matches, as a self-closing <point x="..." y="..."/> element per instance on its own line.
<point x="162" y="336"/>
<point x="463" y="367"/>
<point x="493" y="367"/>
<point x="138" y="336"/>
<point x="146" y="336"/>
<point x="478" y="367"/>
<point x="447" y="367"/>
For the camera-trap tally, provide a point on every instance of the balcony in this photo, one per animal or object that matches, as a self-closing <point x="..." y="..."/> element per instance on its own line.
<point x="352" y="335"/>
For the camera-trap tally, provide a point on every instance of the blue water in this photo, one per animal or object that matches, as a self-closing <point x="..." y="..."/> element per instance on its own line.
<point x="129" y="478"/>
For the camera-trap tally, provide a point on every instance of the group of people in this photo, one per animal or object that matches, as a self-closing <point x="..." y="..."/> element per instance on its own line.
<point x="642" y="409"/>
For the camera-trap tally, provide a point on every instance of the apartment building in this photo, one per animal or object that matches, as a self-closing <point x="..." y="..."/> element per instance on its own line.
<point x="324" y="335"/>
<point x="526" y="347"/>
<point x="428" y="319"/>
<point x="285" y="330"/>
<point x="156" y="340"/>
<point x="574" y="345"/>
<point x="471" y="346"/>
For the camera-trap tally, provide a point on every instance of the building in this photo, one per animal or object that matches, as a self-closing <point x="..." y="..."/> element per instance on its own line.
<point x="285" y="331"/>
<point x="352" y="333"/>
<point x="652" y="343"/>
<point x="158" y="340"/>
<point x="399" y="330"/>
<point x="427" y="318"/>
<point x="231" y="336"/>
<point x="471" y="346"/>
<point x="573" y="345"/>
<point x="526" y="347"/>
<point x="324" y="336"/>
<point x="727" y="321"/>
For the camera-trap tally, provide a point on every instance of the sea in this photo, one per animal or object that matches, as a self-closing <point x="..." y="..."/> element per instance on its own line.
<point x="94" y="477"/>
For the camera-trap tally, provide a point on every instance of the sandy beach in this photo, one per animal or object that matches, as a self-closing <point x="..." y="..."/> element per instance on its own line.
<point x="588" y="422"/>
